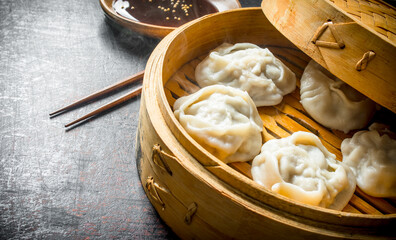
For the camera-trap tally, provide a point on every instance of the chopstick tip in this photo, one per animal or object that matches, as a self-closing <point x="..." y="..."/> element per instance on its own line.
<point x="53" y="113"/>
<point x="70" y="123"/>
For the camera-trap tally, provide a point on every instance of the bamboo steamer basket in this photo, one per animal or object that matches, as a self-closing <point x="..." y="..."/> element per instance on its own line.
<point x="199" y="196"/>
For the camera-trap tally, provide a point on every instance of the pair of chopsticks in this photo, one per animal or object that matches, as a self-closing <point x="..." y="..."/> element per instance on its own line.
<point x="136" y="77"/>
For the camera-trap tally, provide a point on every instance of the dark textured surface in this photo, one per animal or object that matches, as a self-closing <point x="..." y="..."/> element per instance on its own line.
<point x="76" y="184"/>
<point x="81" y="183"/>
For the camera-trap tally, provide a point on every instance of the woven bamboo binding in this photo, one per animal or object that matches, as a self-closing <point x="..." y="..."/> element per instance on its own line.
<point x="377" y="15"/>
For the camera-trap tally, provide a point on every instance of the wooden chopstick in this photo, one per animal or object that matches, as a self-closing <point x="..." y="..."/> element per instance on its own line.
<point x="102" y="92"/>
<point x="107" y="106"/>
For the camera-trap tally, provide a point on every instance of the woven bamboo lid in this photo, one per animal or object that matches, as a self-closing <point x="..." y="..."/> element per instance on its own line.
<point x="353" y="39"/>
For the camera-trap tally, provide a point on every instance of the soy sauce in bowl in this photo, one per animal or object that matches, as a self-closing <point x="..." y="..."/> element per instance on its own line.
<point x="169" y="13"/>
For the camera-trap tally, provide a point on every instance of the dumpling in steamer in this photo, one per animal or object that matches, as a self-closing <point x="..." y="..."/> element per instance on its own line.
<point x="250" y="68"/>
<point x="372" y="157"/>
<point x="301" y="168"/>
<point x="332" y="102"/>
<point x="224" y="120"/>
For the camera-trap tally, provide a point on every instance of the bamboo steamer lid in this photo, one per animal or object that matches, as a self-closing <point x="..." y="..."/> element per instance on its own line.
<point x="354" y="39"/>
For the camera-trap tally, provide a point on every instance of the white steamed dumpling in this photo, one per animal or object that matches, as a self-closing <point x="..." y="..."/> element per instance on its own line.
<point x="222" y="119"/>
<point x="372" y="157"/>
<point x="332" y="102"/>
<point x="250" y="68"/>
<point x="301" y="168"/>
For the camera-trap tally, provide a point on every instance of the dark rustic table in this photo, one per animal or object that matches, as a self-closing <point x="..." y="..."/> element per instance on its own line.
<point x="81" y="183"/>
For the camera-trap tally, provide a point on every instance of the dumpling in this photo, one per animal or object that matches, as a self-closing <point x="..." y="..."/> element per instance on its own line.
<point x="222" y="119"/>
<point x="301" y="168"/>
<point x="372" y="157"/>
<point x="332" y="102"/>
<point x="250" y="68"/>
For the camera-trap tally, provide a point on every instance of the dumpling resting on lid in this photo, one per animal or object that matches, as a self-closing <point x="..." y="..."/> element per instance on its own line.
<point x="301" y="168"/>
<point x="372" y="157"/>
<point x="224" y="120"/>
<point x="250" y="68"/>
<point x="332" y="102"/>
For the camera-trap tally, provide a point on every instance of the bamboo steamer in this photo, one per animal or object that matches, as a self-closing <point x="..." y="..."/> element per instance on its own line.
<point x="199" y="196"/>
